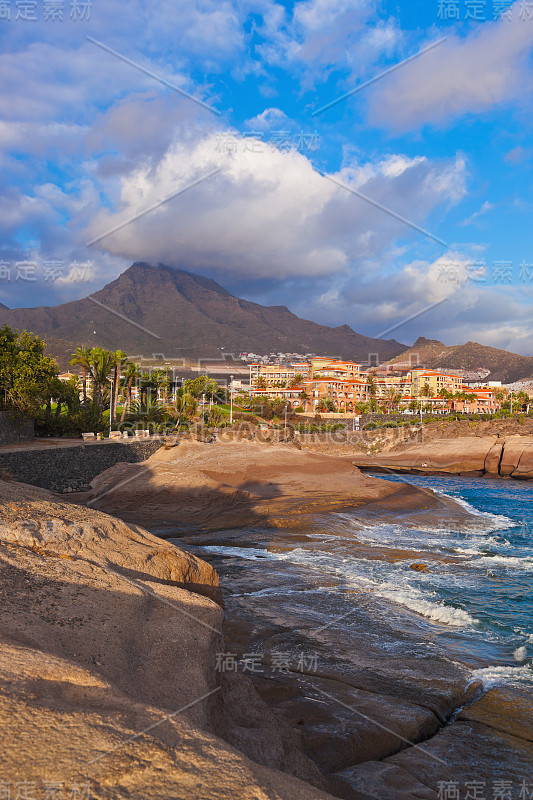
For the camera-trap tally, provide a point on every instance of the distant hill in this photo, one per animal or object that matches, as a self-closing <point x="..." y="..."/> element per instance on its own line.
<point x="503" y="365"/>
<point x="155" y="309"/>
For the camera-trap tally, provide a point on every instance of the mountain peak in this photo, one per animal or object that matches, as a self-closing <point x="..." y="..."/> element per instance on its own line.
<point x="423" y="342"/>
<point x="156" y="308"/>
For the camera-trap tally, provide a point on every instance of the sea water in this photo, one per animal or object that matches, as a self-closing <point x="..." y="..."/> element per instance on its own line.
<point x="476" y="598"/>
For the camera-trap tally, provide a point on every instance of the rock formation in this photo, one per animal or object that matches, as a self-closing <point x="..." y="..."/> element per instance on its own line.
<point x="475" y="456"/>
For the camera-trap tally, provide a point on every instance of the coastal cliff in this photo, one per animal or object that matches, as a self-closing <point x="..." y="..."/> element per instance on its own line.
<point x="493" y="456"/>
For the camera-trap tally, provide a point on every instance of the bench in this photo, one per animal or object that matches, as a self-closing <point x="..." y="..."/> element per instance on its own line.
<point x="87" y="437"/>
<point x="115" y="434"/>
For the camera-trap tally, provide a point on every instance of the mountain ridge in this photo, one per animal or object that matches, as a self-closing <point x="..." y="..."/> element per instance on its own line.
<point x="503" y="365"/>
<point x="184" y="315"/>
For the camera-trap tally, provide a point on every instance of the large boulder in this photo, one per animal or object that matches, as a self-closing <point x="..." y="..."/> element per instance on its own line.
<point x="517" y="460"/>
<point x="109" y="688"/>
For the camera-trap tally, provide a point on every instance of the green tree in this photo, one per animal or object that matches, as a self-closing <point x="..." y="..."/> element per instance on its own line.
<point x="185" y="406"/>
<point x="25" y="372"/>
<point x="372" y="391"/>
<point x="119" y="359"/>
<point x="392" y="398"/>
<point x="202" y="385"/>
<point x="131" y="374"/>
<point x="101" y="365"/>
<point x="81" y="358"/>
<point x="296" y="381"/>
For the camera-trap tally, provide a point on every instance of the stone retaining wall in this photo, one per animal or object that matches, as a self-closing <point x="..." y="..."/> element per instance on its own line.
<point x="60" y="467"/>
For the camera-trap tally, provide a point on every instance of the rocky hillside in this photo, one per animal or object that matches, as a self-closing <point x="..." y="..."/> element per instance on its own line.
<point x="155" y="309"/>
<point x="503" y="365"/>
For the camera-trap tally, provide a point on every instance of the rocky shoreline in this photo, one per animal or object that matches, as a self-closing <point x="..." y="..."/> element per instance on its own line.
<point x="490" y="456"/>
<point x="111" y="640"/>
<point x="224" y="485"/>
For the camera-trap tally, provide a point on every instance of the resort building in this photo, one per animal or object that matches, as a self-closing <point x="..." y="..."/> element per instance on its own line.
<point x="477" y="401"/>
<point x="334" y="368"/>
<point x="292" y="397"/>
<point x="268" y="375"/>
<point x="435" y="381"/>
<point x="344" y="394"/>
<point x="343" y="386"/>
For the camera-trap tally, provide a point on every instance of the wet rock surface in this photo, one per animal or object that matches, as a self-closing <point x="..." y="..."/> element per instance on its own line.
<point x="382" y="707"/>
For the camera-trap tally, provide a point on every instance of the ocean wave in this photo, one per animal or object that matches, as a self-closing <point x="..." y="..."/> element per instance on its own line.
<point x="520" y="654"/>
<point x="405" y="595"/>
<point x="498" y="521"/>
<point x="524" y="563"/>
<point x="249" y="553"/>
<point x="492" y="677"/>
<point x="434" y="611"/>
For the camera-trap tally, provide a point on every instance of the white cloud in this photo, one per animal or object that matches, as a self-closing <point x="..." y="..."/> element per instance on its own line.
<point x="471" y="75"/>
<point x="322" y="35"/>
<point x="269" y="214"/>
<point x="268" y="119"/>
<point x="485" y="208"/>
<point x="518" y="155"/>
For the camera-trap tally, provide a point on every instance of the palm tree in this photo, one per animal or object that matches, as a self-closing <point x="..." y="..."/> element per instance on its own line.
<point x="161" y="379"/>
<point x="81" y="358"/>
<point x="304" y="397"/>
<point x="372" y="391"/>
<point x="393" y="397"/>
<point x="101" y="364"/>
<point x="131" y="373"/>
<point x="119" y="359"/>
<point x="427" y="391"/>
<point x="185" y="406"/>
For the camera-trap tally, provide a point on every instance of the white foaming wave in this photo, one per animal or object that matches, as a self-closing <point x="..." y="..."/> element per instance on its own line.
<point x="498" y="521"/>
<point x="249" y="553"/>
<point x="272" y="592"/>
<point x="492" y="677"/>
<point x="478" y="545"/>
<point x="524" y="562"/>
<point x="520" y="654"/>
<point x="436" y="612"/>
<point x="405" y="595"/>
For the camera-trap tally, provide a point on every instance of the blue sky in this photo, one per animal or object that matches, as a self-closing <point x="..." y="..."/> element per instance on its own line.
<point x="411" y="198"/>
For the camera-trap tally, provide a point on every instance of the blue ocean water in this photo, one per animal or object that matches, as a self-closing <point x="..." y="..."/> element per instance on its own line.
<point x="476" y="598"/>
<point x="492" y="580"/>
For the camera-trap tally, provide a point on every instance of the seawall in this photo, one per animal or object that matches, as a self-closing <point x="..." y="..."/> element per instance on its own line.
<point x="62" y="466"/>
